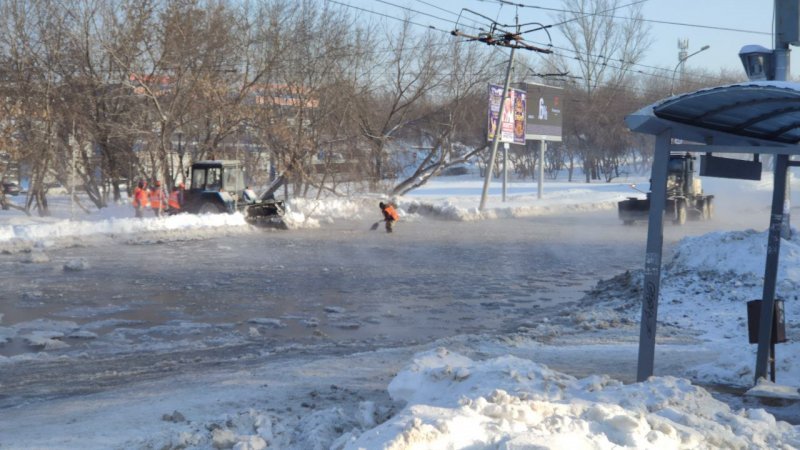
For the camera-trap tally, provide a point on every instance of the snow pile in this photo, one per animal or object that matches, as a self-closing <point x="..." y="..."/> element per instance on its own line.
<point x="48" y="233"/>
<point x="447" y="200"/>
<point x="454" y="402"/>
<point x="295" y="220"/>
<point x="738" y="252"/>
<point x="446" y="210"/>
<point x="332" y="209"/>
<point x="63" y="228"/>
<point x="249" y="430"/>
<point x="705" y="288"/>
<point x="451" y="211"/>
<point x="767" y="389"/>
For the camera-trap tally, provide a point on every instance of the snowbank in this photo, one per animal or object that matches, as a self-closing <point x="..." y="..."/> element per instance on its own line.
<point x="454" y="402"/>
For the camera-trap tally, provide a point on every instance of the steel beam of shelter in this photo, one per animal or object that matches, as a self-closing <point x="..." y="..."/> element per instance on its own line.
<point x="753" y="118"/>
<point x="652" y="262"/>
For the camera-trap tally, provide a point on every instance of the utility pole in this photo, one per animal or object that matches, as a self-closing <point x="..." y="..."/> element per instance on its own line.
<point x="496" y="138"/>
<point x="501" y="38"/>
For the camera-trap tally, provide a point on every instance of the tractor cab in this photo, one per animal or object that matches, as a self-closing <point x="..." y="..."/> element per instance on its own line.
<point x="215" y="186"/>
<point x="681" y="180"/>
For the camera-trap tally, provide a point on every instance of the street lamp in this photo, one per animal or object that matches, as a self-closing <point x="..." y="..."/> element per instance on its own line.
<point x="681" y="61"/>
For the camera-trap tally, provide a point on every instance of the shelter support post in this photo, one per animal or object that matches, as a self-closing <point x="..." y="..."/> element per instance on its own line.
<point x="771" y="267"/>
<point x="652" y="264"/>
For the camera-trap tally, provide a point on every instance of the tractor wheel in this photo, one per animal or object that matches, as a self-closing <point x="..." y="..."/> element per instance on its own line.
<point x="709" y="209"/>
<point x="680" y="213"/>
<point x="209" y="208"/>
<point x="703" y="210"/>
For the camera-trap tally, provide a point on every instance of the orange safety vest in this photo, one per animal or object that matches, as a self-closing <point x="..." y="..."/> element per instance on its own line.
<point x="174" y="200"/>
<point x="139" y="198"/>
<point x="390" y="212"/>
<point x="156" y="198"/>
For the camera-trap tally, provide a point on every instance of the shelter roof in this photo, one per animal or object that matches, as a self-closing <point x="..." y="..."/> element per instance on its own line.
<point x="751" y="113"/>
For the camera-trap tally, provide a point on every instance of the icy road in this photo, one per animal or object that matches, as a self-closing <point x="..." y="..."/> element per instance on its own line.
<point x="110" y="312"/>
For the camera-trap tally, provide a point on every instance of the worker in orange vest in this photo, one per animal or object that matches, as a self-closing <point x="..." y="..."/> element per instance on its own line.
<point x="158" y="199"/>
<point x="175" y="200"/>
<point x="140" y="201"/>
<point x="390" y="215"/>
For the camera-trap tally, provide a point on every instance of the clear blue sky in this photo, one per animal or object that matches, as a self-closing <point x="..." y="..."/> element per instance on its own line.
<point x="754" y="17"/>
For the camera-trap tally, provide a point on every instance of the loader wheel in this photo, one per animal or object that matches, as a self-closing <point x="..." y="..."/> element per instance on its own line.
<point x="680" y="214"/>
<point x="209" y="208"/>
<point x="704" y="212"/>
<point x="709" y="209"/>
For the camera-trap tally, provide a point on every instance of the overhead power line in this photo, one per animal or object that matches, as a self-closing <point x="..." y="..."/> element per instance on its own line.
<point x="661" y="22"/>
<point x="387" y="16"/>
<point x="583" y="14"/>
<point x="577" y="54"/>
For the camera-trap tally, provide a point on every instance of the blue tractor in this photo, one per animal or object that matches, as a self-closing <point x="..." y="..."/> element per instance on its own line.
<point x="217" y="186"/>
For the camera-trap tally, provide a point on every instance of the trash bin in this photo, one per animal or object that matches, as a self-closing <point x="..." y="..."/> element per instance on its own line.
<point x="754" y="319"/>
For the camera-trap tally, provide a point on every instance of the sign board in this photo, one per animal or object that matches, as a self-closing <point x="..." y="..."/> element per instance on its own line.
<point x="512" y="124"/>
<point x="545" y="116"/>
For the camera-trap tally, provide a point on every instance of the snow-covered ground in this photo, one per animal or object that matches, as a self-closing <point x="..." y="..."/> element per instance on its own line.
<point x="464" y="392"/>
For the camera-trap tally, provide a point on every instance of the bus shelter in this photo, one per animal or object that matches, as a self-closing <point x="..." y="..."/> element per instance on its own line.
<point x="751" y="118"/>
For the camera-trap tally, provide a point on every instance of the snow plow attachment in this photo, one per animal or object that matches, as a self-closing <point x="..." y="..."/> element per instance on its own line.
<point x="267" y="213"/>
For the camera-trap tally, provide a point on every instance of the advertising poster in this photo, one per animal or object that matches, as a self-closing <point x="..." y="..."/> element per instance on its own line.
<point x="512" y="123"/>
<point x="545" y="117"/>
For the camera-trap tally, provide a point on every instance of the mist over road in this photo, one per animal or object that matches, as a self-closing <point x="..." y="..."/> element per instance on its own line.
<point x="139" y="310"/>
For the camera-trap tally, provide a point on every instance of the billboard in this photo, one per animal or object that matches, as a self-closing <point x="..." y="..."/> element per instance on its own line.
<point x="512" y="124"/>
<point x="544" y="117"/>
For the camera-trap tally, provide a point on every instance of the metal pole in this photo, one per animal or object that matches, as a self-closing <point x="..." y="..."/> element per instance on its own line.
<point x="505" y="170"/>
<point x="771" y="268"/>
<point x="496" y="138"/>
<point x="540" y="184"/>
<point x="652" y="262"/>
<point x="782" y="74"/>
<point x="785" y="24"/>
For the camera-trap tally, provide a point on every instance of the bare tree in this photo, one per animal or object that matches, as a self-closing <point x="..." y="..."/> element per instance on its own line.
<point x="301" y="112"/>
<point x="32" y="43"/>
<point x="605" y="48"/>
<point x="97" y="136"/>
<point x="468" y="70"/>
<point x="413" y="70"/>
